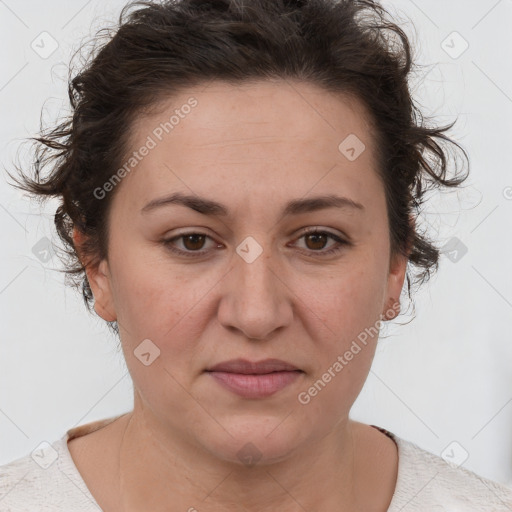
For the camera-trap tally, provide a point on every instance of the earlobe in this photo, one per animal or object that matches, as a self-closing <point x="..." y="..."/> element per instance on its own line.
<point x="99" y="281"/>
<point x="396" y="277"/>
<point x="392" y="310"/>
<point x="98" y="276"/>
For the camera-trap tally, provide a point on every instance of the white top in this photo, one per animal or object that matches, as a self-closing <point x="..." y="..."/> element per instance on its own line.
<point x="47" y="480"/>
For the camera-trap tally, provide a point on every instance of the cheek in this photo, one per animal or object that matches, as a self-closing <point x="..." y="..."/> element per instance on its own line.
<point x="342" y="351"/>
<point x="158" y="305"/>
<point x="152" y="297"/>
<point x="343" y="311"/>
<point x="346" y="300"/>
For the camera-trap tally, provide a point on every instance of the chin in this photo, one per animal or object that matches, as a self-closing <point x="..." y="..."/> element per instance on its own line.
<point x="257" y="440"/>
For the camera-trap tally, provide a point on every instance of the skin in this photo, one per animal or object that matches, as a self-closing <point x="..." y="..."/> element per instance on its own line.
<point x="253" y="148"/>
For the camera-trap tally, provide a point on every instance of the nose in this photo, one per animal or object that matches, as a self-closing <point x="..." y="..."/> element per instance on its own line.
<point x="256" y="300"/>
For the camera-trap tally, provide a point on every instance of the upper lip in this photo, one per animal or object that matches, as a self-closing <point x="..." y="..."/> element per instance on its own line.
<point x="249" y="367"/>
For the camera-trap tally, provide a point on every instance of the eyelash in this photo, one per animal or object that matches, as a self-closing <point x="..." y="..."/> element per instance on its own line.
<point x="314" y="231"/>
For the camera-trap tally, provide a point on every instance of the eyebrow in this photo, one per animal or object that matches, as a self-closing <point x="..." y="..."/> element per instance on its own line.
<point x="213" y="208"/>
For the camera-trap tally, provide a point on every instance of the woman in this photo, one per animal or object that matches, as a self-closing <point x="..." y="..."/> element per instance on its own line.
<point x="239" y="186"/>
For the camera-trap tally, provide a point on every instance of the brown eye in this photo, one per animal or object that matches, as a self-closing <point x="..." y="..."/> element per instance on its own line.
<point x="318" y="240"/>
<point x="315" y="241"/>
<point x="190" y="244"/>
<point x="194" y="241"/>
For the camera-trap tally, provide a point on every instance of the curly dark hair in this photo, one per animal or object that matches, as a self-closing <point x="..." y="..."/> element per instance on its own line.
<point x="160" y="48"/>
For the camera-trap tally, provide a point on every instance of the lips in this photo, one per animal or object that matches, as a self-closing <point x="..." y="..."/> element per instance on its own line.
<point x="255" y="380"/>
<point x="242" y="366"/>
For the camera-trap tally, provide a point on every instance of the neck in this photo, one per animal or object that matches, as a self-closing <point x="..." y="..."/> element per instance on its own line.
<point x="159" y="468"/>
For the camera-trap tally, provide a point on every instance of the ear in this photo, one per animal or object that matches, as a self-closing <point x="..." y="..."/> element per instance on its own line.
<point x="396" y="278"/>
<point x="99" y="279"/>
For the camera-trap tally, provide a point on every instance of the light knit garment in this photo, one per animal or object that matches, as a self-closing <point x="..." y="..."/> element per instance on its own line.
<point x="48" y="481"/>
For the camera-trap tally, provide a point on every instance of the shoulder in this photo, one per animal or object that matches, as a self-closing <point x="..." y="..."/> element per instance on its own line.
<point x="45" y="479"/>
<point x="427" y="482"/>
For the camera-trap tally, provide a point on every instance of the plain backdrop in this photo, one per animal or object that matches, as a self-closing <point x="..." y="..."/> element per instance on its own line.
<point x="442" y="381"/>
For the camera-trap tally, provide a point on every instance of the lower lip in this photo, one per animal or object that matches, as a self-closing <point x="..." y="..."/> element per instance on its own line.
<point x="255" y="386"/>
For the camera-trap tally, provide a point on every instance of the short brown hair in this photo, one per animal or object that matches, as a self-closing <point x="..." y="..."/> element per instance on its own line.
<point x="160" y="48"/>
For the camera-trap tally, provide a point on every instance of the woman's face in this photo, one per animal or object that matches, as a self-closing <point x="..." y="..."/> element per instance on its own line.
<point x="251" y="284"/>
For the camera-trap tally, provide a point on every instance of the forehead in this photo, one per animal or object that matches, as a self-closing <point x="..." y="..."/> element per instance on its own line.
<point x="260" y="107"/>
<point x="262" y="135"/>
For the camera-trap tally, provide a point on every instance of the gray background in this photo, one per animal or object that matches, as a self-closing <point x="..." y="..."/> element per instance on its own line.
<point x="444" y="378"/>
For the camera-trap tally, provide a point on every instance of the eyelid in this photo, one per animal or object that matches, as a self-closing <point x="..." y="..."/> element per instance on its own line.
<point x="169" y="241"/>
<point x="341" y="240"/>
<point x="320" y="229"/>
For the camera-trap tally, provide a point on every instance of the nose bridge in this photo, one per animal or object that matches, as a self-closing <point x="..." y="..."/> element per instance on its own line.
<point x="253" y="266"/>
<point x="256" y="303"/>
